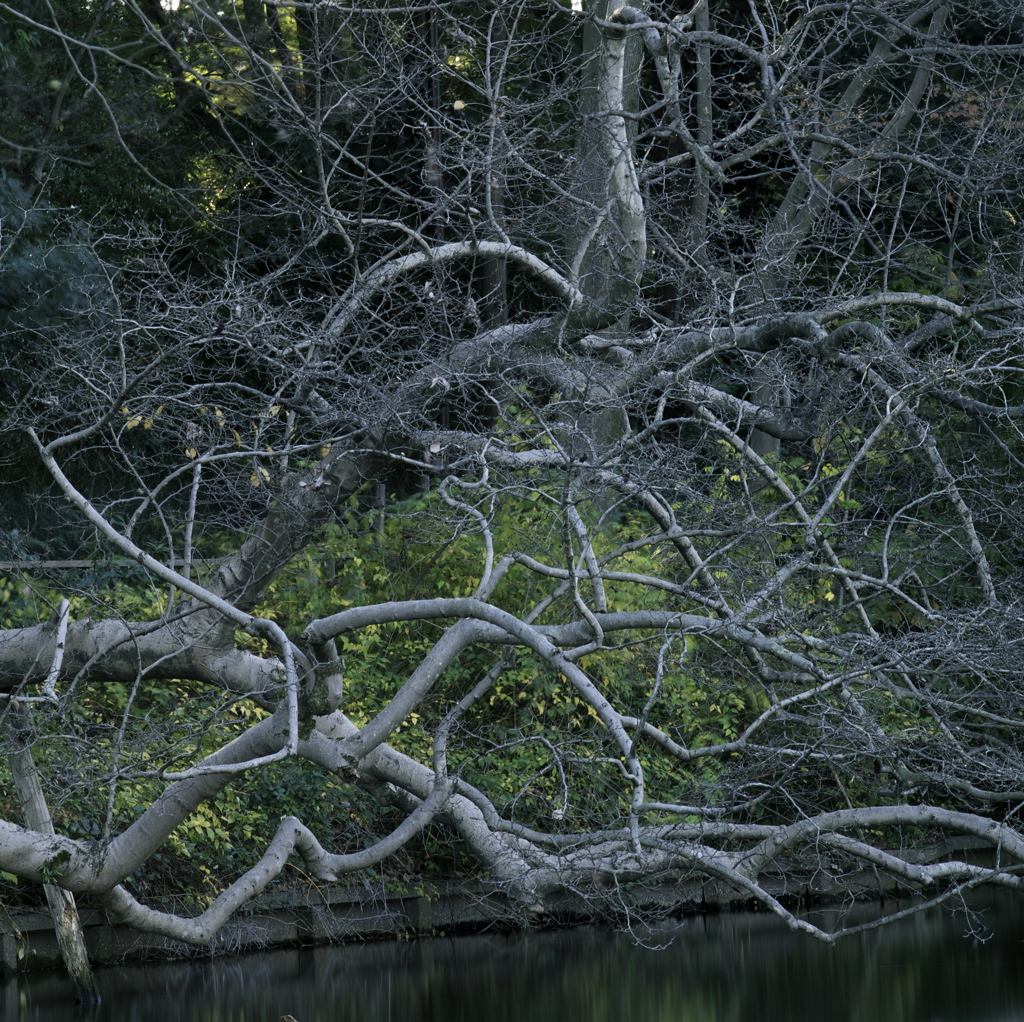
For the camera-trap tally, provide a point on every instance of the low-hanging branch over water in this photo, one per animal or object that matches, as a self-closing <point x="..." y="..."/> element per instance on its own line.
<point x="588" y="440"/>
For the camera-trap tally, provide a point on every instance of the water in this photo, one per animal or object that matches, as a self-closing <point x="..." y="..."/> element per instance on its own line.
<point x="723" y="968"/>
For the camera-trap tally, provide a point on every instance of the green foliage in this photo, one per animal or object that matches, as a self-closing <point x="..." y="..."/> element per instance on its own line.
<point x="46" y="280"/>
<point x="532" y="743"/>
<point x="69" y="135"/>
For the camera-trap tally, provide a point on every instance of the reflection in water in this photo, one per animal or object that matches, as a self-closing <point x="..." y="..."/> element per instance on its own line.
<point x="719" y="969"/>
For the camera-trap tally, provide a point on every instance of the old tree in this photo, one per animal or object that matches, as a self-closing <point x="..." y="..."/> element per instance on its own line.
<point x="591" y="434"/>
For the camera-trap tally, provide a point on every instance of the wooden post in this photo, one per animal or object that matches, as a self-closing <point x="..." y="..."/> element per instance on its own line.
<point x="17" y="734"/>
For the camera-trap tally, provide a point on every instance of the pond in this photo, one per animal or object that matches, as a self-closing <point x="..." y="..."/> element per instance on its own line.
<point x="928" y="968"/>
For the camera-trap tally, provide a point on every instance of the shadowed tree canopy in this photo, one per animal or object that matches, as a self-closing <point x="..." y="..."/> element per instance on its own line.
<point x="591" y="434"/>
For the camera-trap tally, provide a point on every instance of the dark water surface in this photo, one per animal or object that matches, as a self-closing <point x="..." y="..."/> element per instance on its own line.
<point x="726" y="968"/>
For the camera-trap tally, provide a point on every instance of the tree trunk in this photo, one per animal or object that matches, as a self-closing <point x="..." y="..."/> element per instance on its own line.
<point x="493" y="270"/>
<point x="607" y="242"/>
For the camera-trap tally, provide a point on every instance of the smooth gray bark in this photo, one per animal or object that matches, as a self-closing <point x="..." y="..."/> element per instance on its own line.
<point x="607" y="245"/>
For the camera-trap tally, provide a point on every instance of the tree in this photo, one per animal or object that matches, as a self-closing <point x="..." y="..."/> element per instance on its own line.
<point x="638" y="394"/>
